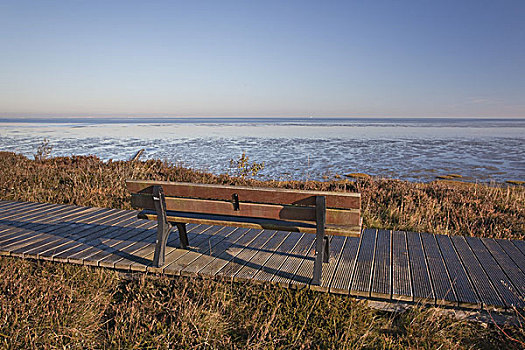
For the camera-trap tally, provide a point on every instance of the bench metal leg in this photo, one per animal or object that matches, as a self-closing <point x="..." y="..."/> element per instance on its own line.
<point x="326" y="249"/>
<point x="321" y="240"/>
<point x="163" y="227"/>
<point x="183" y="235"/>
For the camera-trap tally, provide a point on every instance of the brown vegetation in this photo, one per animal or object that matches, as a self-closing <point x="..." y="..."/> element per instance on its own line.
<point x="70" y="306"/>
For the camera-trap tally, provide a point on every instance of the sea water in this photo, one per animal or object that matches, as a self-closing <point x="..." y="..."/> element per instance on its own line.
<point x="415" y="149"/>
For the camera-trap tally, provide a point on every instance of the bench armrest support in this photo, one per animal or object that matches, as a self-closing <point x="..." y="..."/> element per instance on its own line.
<point x="163" y="226"/>
<point x="321" y="240"/>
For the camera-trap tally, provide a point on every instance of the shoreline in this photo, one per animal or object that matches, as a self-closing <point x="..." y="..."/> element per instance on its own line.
<point x="480" y="153"/>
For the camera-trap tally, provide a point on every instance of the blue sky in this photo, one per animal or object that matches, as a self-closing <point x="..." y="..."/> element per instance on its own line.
<point x="263" y="58"/>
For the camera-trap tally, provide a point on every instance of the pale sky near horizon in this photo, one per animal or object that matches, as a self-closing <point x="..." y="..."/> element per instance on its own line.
<point x="263" y="58"/>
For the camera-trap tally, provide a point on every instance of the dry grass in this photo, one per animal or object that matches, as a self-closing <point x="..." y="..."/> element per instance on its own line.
<point x="64" y="306"/>
<point x="58" y="305"/>
<point x="69" y="306"/>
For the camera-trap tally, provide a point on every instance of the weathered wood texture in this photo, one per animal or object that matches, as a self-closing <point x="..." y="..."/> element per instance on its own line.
<point x="255" y="223"/>
<point x="420" y="267"/>
<point x="247" y="194"/>
<point x="364" y="264"/>
<point x="421" y="284"/>
<point x="259" y="208"/>
<point x="382" y="270"/>
<point x="465" y="292"/>
<point x="267" y="211"/>
<point x="401" y="279"/>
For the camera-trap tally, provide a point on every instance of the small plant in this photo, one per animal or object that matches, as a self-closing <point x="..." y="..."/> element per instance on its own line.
<point x="242" y="167"/>
<point x="43" y="151"/>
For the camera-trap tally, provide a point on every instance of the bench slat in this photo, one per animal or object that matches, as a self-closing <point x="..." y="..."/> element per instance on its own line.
<point x="341" y="200"/>
<point x="257" y="223"/>
<point x="268" y="211"/>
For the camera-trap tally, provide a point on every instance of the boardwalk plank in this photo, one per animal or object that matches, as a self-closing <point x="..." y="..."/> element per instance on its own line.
<point x="72" y="252"/>
<point x="41" y="225"/>
<point x="199" y="235"/>
<point x="10" y="202"/>
<point x="20" y="227"/>
<point x="257" y="261"/>
<point x="91" y="243"/>
<point x="289" y="268"/>
<point x="10" y="227"/>
<point x="482" y="284"/>
<point x="421" y="284"/>
<point x="63" y="234"/>
<point x="40" y="237"/>
<point x="217" y="249"/>
<point x="272" y="265"/>
<point x="226" y="256"/>
<point x="244" y="255"/>
<point x="6" y="204"/>
<point x="500" y="281"/>
<point x="29" y="217"/>
<point x="382" y="278"/>
<point x="139" y="256"/>
<point x="304" y="273"/>
<point x="336" y="247"/>
<point x="202" y="246"/>
<point x="510" y="268"/>
<point x="520" y="245"/>
<point x="172" y="251"/>
<point x="401" y="280"/>
<point x="19" y="209"/>
<point x="513" y="252"/>
<point x="22" y="207"/>
<point x="27" y="214"/>
<point x="115" y="239"/>
<point x="124" y="255"/>
<point x="81" y="221"/>
<point x="342" y="279"/>
<point x="364" y="264"/>
<point x="49" y="214"/>
<point x="88" y="235"/>
<point x="76" y="223"/>
<point x="442" y="285"/>
<point x="126" y="252"/>
<point x="123" y="251"/>
<point x="465" y="292"/>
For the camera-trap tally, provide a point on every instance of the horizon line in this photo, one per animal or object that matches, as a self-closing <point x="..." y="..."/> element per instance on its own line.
<point x="22" y="116"/>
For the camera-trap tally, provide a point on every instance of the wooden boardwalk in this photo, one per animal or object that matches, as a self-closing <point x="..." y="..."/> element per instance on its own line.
<point x="415" y="267"/>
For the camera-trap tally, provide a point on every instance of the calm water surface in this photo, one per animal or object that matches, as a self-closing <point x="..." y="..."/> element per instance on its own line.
<point x="307" y="148"/>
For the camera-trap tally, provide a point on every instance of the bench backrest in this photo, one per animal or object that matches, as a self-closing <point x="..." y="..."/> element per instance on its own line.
<point x="342" y="209"/>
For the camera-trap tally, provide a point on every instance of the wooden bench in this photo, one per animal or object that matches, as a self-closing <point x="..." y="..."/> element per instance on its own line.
<point x="322" y="213"/>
